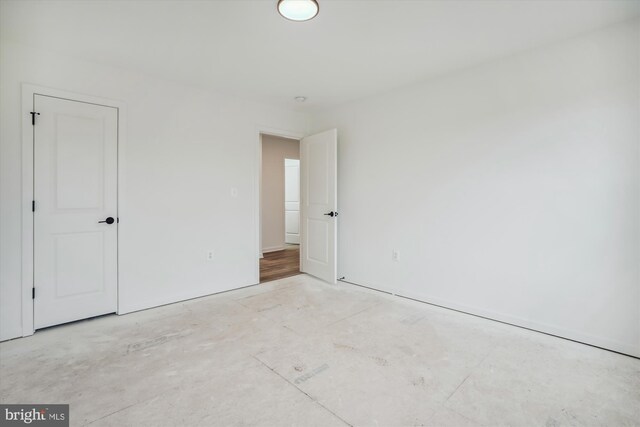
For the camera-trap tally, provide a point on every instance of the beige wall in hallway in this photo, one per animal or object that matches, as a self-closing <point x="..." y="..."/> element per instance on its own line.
<point x="274" y="151"/>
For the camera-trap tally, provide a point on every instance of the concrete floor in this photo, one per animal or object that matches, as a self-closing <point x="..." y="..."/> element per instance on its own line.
<point x="299" y="352"/>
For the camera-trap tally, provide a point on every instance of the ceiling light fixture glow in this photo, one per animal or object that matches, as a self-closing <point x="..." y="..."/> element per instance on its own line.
<point x="298" y="10"/>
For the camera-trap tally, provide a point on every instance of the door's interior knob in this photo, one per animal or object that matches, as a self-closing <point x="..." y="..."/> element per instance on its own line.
<point x="332" y="213"/>
<point x="109" y="220"/>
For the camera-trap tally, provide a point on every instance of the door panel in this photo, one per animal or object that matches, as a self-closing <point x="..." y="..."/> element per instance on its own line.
<point x="78" y="184"/>
<point x="318" y="235"/>
<point x="293" y="222"/>
<point x="319" y="154"/>
<point x="318" y="158"/>
<point x="292" y="200"/>
<point x="71" y="249"/>
<point x="75" y="186"/>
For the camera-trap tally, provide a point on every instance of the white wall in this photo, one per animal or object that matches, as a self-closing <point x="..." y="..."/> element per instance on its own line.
<point x="274" y="151"/>
<point x="186" y="149"/>
<point x="511" y="190"/>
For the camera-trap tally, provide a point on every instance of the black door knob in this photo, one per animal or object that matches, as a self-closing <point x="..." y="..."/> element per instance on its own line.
<point x="332" y="214"/>
<point x="109" y="220"/>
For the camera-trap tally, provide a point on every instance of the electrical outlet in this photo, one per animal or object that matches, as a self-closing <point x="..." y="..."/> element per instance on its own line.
<point x="395" y="255"/>
<point x="210" y="256"/>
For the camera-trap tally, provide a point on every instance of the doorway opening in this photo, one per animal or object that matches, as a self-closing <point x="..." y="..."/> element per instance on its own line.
<point x="318" y="207"/>
<point x="280" y="208"/>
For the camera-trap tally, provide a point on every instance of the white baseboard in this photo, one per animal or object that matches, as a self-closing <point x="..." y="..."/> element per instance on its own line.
<point x="533" y="325"/>
<point x="176" y="298"/>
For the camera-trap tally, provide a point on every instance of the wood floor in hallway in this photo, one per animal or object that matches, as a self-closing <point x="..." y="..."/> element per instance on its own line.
<point x="280" y="264"/>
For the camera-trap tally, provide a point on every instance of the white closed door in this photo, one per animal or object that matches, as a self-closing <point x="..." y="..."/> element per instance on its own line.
<point x="319" y="194"/>
<point x="292" y="201"/>
<point x="75" y="188"/>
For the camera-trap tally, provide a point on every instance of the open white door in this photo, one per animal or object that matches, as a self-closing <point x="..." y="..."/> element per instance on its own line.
<point x="75" y="217"/>
<point x="319" y="196"/>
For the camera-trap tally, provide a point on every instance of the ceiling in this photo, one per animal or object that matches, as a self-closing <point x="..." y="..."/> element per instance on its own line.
<point x="352" y="49"/>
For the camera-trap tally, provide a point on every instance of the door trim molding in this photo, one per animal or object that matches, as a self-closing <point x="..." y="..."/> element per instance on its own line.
<point x="257" y="217"/>
<point x="28" y="93"/>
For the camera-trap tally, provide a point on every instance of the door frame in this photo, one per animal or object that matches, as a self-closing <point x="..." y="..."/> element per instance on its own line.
<point x="264" y="130"/>
<point x="27" y="232"/>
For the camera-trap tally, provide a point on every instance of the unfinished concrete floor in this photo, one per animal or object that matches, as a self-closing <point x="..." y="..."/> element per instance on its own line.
<point x="299" y="352"/>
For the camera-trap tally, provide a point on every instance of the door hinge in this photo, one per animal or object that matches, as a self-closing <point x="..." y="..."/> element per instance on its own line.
<point x="33" y="206"/>
<point x="33" y="117"/>
<point x="33" y="293"/>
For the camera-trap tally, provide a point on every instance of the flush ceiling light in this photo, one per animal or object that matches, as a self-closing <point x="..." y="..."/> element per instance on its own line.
<point x="298" y="10"/>
<point x="300" y="98"/>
